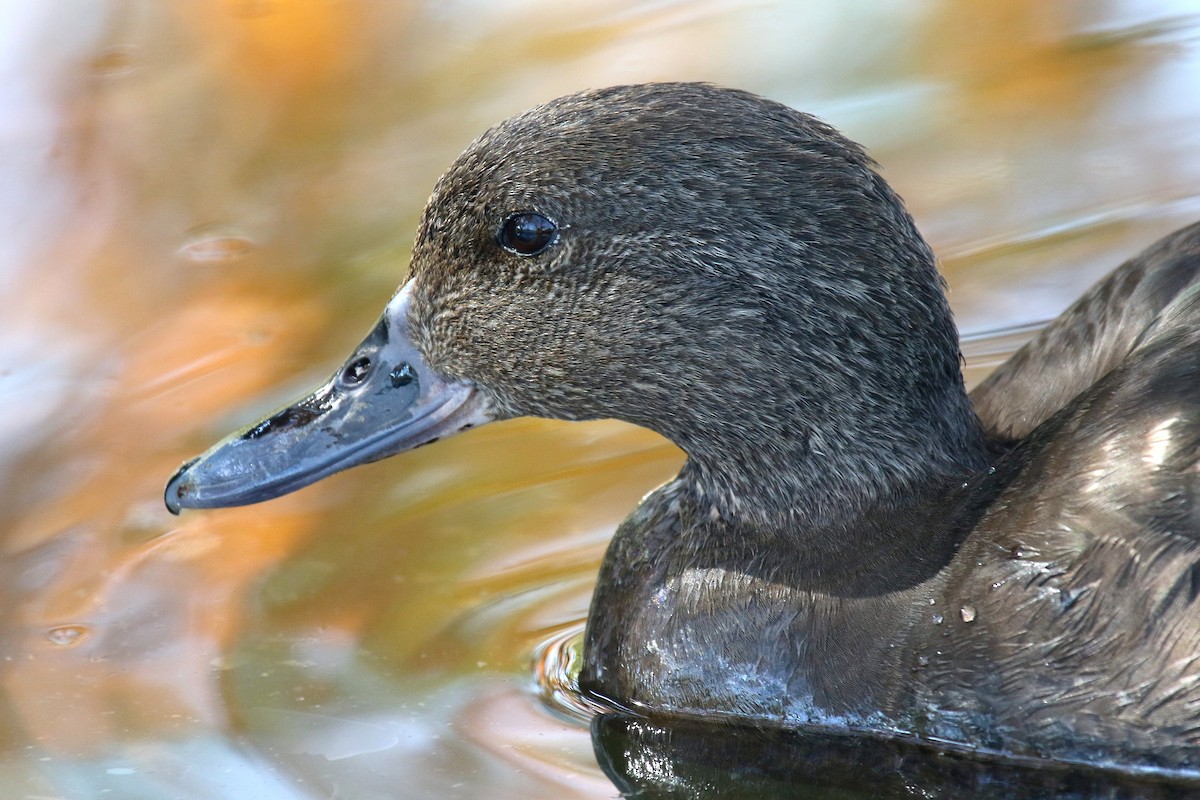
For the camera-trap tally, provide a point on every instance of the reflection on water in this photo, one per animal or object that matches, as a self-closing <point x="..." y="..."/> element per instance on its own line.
<point x="205" y="205"/>
<point x="646" y="759"/>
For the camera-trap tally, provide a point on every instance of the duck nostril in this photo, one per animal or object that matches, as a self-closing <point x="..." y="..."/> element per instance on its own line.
<point x="356" y="371"/>
<point x="402" y="375"/>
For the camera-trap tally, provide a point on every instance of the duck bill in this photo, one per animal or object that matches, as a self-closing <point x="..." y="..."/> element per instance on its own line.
<point x="384" y="400"/>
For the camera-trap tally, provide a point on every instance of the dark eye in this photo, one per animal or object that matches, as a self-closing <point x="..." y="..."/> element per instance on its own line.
<point x="527" y="233"/>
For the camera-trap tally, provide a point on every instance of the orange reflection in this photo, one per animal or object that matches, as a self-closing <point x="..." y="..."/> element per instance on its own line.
<point x="128" y="612"/>
<point x="280" y="46"/>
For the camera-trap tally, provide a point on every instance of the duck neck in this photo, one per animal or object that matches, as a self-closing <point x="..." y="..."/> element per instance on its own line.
<point x="825" y="466"/>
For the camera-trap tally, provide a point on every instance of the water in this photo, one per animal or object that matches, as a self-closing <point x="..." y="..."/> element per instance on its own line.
<point x="205" y="206"/>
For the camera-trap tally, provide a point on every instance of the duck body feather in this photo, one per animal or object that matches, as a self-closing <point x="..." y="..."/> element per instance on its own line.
<point x="1053" y="616"/>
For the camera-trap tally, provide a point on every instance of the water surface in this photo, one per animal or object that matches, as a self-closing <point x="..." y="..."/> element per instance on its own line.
<point x="206" y="205"/>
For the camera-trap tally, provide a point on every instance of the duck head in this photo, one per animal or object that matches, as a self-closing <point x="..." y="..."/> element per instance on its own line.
<point x="699" y="261"/>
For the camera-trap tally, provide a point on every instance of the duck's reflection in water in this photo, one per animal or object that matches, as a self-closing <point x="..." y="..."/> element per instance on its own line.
<point x="684" y="759"/>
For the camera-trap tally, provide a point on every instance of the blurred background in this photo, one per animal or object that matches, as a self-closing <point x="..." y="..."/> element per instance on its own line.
<point x="204" y="205"/>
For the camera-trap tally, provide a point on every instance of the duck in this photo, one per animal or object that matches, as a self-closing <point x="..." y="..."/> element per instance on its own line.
<point x="854" y="543"/>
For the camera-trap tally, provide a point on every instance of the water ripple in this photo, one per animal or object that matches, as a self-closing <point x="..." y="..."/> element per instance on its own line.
<point x="556" y="665"/>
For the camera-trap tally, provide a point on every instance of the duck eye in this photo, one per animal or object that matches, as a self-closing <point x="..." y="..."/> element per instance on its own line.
<point x="527" y="233"/>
